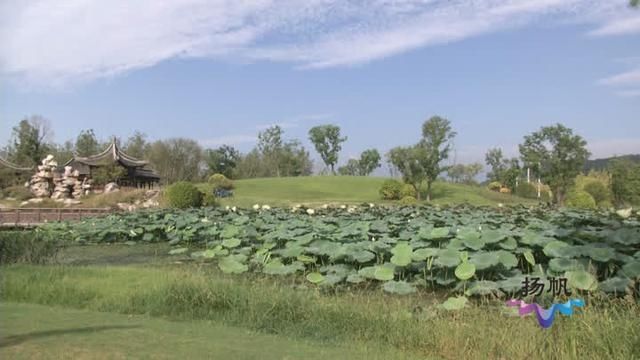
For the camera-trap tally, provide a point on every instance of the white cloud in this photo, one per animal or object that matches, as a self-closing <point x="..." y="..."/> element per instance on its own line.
<point x="62" y="42"/>
<point x="602" y="148"/>
<point x="229" y="140"/>
<point x="629" y="93"/>
<point x="631" y="77"/>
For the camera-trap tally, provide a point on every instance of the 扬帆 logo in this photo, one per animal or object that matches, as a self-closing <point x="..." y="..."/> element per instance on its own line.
<point x="546" y="316"/>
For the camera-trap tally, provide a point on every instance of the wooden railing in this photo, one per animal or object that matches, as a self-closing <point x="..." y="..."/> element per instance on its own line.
<point x="29" y="217"/>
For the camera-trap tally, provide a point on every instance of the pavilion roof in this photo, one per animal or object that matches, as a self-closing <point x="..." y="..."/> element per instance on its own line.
<point x="112" y="153"/>
<point x="13" y="166"/>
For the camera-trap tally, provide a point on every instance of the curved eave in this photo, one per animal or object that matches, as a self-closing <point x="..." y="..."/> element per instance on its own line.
<point x="12" y="166"/>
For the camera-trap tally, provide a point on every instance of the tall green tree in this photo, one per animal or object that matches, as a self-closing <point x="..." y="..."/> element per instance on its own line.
<point x="369" y="161"/>
<point x="328" y="143"/>
<point x="625" y="181"/>
<point x="351" y="168"/>
<point x="87" y="143"/>
<point x="503" y="170"/>
<point x="222" y="160"/>
<point x="407" y="160"/>
<point x="560" y="154"/>
<point x="136" y="145"/>
<point x="29" y="142"/>
<point x="270" y="145"/>
<point x="177" y="159"/>
<point x="436" y="143"/>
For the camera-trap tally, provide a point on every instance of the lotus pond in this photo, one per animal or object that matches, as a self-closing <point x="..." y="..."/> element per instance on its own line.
<point x="464" y="250"/>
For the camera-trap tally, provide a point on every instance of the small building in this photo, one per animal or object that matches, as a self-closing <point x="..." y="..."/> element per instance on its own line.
<point x="138" y="172"/>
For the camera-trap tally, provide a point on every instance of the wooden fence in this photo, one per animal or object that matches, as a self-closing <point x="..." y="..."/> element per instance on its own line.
<point x="30" y="217"/>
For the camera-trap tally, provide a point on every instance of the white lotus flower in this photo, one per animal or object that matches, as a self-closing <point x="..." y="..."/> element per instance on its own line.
<point x="233" y="209"/>
<point x="371" y="205"/>
<point x="624" y="213"/>
<point x="500" y="205"/>
<point x="256" y="207"/>
<point x="310" y="211"/>
<point x="343" y="206"/>
<point x="227" y="208"/>
<point x="205" y="220"/>
<point x="325" y="206"/>
<point x="351" y="210"/>
<point x="266" y="207"/>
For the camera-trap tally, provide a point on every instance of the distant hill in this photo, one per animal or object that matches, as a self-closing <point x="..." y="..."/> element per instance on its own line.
<point x="603" y="164"/>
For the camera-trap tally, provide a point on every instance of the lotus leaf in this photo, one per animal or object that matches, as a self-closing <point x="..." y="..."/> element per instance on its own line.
<point x="455" y="303"/>
<point x="398" y="287"/>
<point x="315" y="278"/>
<point x="401" y="254"/>
<point x="465" y="271"/>
<point x="581" y="280"/>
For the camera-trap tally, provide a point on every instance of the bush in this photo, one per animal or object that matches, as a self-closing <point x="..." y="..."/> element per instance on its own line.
<point x="26" y="247"/>
<point x="183" y="195"/>
<point x="390" y="190"/>
<point x="209" y="200"/>
<point x="18" y="192"/>
<point x="597" y="190"/>
<point x="527" y="190"/>
<point x="494" y="186"/>
<point x="581" y="200"/>
<point x="220" y="181"/>
<point x="408" y="200"/>
<point x="407" y="190"/>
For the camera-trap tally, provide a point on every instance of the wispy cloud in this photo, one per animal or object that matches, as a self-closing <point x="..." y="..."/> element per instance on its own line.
<point x="629" y="93"/>
<point x="631" y="77"/>
<point x="229" y="140"/>
<point x="57" y="43"/>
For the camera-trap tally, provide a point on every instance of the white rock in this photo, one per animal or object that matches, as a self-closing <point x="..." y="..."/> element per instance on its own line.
<point x="111" y="187"/>
<point x="624" y="213"/>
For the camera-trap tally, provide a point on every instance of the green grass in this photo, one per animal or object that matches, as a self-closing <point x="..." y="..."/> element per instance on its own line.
<point x="319" y="190"/>
<point x="41" y="332"/>
<point x="410" y="325"/>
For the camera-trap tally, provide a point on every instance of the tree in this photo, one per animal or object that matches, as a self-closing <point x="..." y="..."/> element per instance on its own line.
<point x="625" y="181"/>
<point x="503" y="170"/>
<point x="352" y="168"/>
<point x="407" y="161"/>
<point x="434" y="148"/>
<point x="29" y="143"/>
<point x="560" y="154"/>
<point x="270" y="146"/>
<point x="634" y="3"/>
<point x="136" y="145"/>
<point x="327" y="141"/>
<point x="176" y="159"/>
<point x="222" y="160"/>
<point x="294" y="160"/>
<point x="369" y="161"/>
<point x="456" y="173"/>
<point x="86" y="143"/>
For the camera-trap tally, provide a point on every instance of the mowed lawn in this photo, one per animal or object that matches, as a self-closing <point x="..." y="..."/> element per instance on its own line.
<point x="41" y="332"/>
<point x="338" y="190"/>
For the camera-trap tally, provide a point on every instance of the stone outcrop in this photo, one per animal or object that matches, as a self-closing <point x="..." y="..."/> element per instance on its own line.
<point x="48" y="182"/>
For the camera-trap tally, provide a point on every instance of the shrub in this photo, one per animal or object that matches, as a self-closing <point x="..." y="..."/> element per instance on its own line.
<point x="527" y="190"/>
<point x="220" y="181"/>
<point x="581" y="200"/>
<point x="390" y="190"/>
<point x="18" y="192"/>
<point x="494" y="186"/>
<point x="505" y="190"/>
<point x="209" y="200"/>
<point x="408" y="200"/>
<point x="597" y="190"/>
<point x="183" y="195"/>
<point x="27" y="247"/>
<point x="407" y="190"/>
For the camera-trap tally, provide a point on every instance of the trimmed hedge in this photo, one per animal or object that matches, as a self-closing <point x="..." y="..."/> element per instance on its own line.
<point x="183" y="195"/>
<point x="581" y="200"/>
<point x="27" y="247"/>
<point x="220" y="181"/>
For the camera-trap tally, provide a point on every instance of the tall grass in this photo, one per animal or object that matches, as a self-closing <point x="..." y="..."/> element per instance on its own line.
<point x="411" y="324"/>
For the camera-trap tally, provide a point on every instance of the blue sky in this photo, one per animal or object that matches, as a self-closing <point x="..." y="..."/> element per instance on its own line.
<point x="218" y="71"/>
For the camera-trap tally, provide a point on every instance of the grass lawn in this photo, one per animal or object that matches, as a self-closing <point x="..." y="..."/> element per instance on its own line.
<point x="43" y="332"/>
<point x="319" y="190"/>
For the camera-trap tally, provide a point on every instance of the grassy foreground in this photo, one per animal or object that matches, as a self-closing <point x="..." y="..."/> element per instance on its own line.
<point x="319" y="190"/>
<point x="41" y="332"/>
<point x="409" y="325"/>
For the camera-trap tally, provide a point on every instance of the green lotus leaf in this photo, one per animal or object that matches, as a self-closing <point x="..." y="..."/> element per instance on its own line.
<point x="528" y="255"/>
<point x="398" y="287"/>
<point x="230" y="231"/>
<point x="178" y="251"/>
<point x="560" y="265"/>
<point x="423" y="254"/>
<point x="552" y="249"/>
<point x="332" y="279"/>
<point x="465" y="271"/>
<point x="275" y="267"/>
<point x="231" y="243"/>
<point x="507" y="259"/>
<point x="306" y="259"/>
<point x="472" y="240"/>
<point x="363" y="256"/>
<point x="615" y="285"/>
<point x="509" y="244"/>
<point x="631" y="269"/>
<point x="512" y="284"/>
<point x="444" y="280"/>
<point x="483" y="287"/>
<point x="491" y="236"/>
<point x="600" y="254"/>
<point x="448" y="258"/>
<point x="367" y="272"/>
<point x="455" y="303"/>
<point x="439" y="233"/>
<point x="315" y="277"/>
<point x="383" y="273"/>
<point x="292" y="251"/>
<point x="231" y="265"/>
<point x="355" y="278"/>
<point x="484" y="260"/>
<point x="581" y="280"/>
<point x="401" y="254"/>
